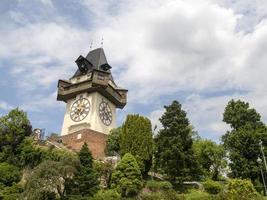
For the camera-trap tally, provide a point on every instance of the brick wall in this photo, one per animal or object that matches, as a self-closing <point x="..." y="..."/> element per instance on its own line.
<point x="95" y="140"/>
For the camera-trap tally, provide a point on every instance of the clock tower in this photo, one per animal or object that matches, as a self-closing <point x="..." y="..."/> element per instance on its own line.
<point x="92" y="97"/>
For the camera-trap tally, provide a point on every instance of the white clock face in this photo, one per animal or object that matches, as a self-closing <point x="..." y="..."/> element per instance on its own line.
<point x="79" y="109"/>
<point x="105" y="113"/>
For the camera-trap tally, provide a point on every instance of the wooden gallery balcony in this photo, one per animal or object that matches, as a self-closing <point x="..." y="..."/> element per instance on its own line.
<point x="98" y="82"/>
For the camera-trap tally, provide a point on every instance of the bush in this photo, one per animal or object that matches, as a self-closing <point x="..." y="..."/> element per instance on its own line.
<point x="127" y="178"/>
<point x="107" y="195"/>
<point x="167" y="195"/>
<point x="198" y="195"/>
<point x="158" y="185"/>
<point x="77" y="197"/>
<point x="238" y="189"/>
<point x="212" y="187"/>
<point x="9" y="174"/>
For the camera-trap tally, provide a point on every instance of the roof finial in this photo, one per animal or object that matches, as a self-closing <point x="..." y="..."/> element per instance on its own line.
<point x="102" y="42"/>
<point x="91" y="45"/>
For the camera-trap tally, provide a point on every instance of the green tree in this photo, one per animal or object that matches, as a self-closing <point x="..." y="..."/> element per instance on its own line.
<point x="127" y="178"/>
<point x="211" y="158"/>
<point x="242" y="142"/>
<point x="237" y="114"/>
<point x="29" y="155"/>
<point x="174" y="153"/>
<point x="113" y="142"/>
<point x="48" y="181"/>
<point x="14" y="127"/>
<point x="137" y="139"/>
<point x="86" y="178"/>
<point x="9" y="174"/>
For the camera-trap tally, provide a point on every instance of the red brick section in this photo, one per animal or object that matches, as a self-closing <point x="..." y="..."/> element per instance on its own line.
<point x="95" y="140"/>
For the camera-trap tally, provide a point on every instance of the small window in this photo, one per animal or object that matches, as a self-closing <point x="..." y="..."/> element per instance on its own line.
<point x="79" y="136"/>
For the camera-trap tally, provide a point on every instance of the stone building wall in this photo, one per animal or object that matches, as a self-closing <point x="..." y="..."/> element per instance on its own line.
<point x="96" y="142"/>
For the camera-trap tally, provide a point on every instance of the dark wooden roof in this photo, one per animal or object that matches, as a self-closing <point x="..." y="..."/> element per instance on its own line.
<point x="95" y="59"/>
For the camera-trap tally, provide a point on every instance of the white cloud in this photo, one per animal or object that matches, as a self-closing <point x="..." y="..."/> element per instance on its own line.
<point x="5" y="106"/>
<point x="156" y="48"/>
<point x="40" y="103"/>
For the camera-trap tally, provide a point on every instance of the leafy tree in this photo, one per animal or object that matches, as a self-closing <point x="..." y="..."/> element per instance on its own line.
<point x="48" y="181"/>
<point x="9" y="174"/>
<point x="29" y="155"/>
<point x="86" y="178"/>
<point x="237" y="114"/>
<point x="113" y="142"/>
<point x="14" y="127"/>
<point x="211" y="157"/>
<point x="136" y="138"/>
<point x="127" y="178"/>
<point x="174" y="153"/>
<point x="242" y="142"/>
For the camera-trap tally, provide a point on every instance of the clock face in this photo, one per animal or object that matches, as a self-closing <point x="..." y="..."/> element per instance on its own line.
<point x="79" y="109"/>
<point x="105" y="113"/>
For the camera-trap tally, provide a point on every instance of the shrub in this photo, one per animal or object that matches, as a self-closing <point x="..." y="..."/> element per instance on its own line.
<point x="9" y="174"/>
<point x="127" y="178"/>
<point x="238" y="189"/>
<point x="158" y="185"/>
<point x="212" y="187"/>
<point x="167" y="195"/>
<point x="107" y="195"/>
<point x="198" y="195"/>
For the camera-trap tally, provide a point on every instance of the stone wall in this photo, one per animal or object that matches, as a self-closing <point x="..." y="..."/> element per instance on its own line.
<point x="96" y="141"/>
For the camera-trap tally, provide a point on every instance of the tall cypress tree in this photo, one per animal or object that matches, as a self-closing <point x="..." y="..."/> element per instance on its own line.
<point x="136" y="138"/>
<point x="174" y="153"/>
<point x="86" y="178"/>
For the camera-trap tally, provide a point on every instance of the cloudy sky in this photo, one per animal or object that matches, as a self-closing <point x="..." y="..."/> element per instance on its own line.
<point x="200" y="52"/>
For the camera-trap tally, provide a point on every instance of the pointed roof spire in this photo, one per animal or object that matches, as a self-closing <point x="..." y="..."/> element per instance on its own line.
<point x="98" y="59"/>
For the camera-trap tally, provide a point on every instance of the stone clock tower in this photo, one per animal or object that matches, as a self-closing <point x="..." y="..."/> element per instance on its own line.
<point x="91" y="98"/>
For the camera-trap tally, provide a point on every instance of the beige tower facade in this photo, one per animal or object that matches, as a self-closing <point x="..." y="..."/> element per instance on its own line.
<point x="91" y="98"/>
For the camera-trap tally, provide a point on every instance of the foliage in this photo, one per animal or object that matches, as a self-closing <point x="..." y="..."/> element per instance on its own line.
<point x="167" y="195"/>
<point x="158" y="185"/>
<point x="104" y="169"/>
<point x="237" y="114"/>
<point x="242" y="142"/>
<point x="127" y="178"/>
<point x="9" y="174"/>
<point x="14" y="127"/>
<point x="136" y="138"/>
<point x="107" y="194"/>
<point x="212" y="187"/>
<point x="11" y="192"/>
<point x="48" y="180"/>
<point x="198" y="195"/>
<point x="30" y="155"/>
<point x="174" y="153"/>
<point x="86" y="178"/>
<point x="211" y="157"/>
<point x="113" y="142"/>
<point x="238" y="189"/>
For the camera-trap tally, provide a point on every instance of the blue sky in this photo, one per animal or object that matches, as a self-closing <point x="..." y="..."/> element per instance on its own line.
<point x="202" y="53"/>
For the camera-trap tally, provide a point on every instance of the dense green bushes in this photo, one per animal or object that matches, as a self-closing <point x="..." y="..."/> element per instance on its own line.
<point x="238" y="189"/>
<point x="107" y="195"/>
<point x="212" y="187"/>
<point x="9" y="174"/>
<point x="127" y="178"/>
<point x="155" y="186"/>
